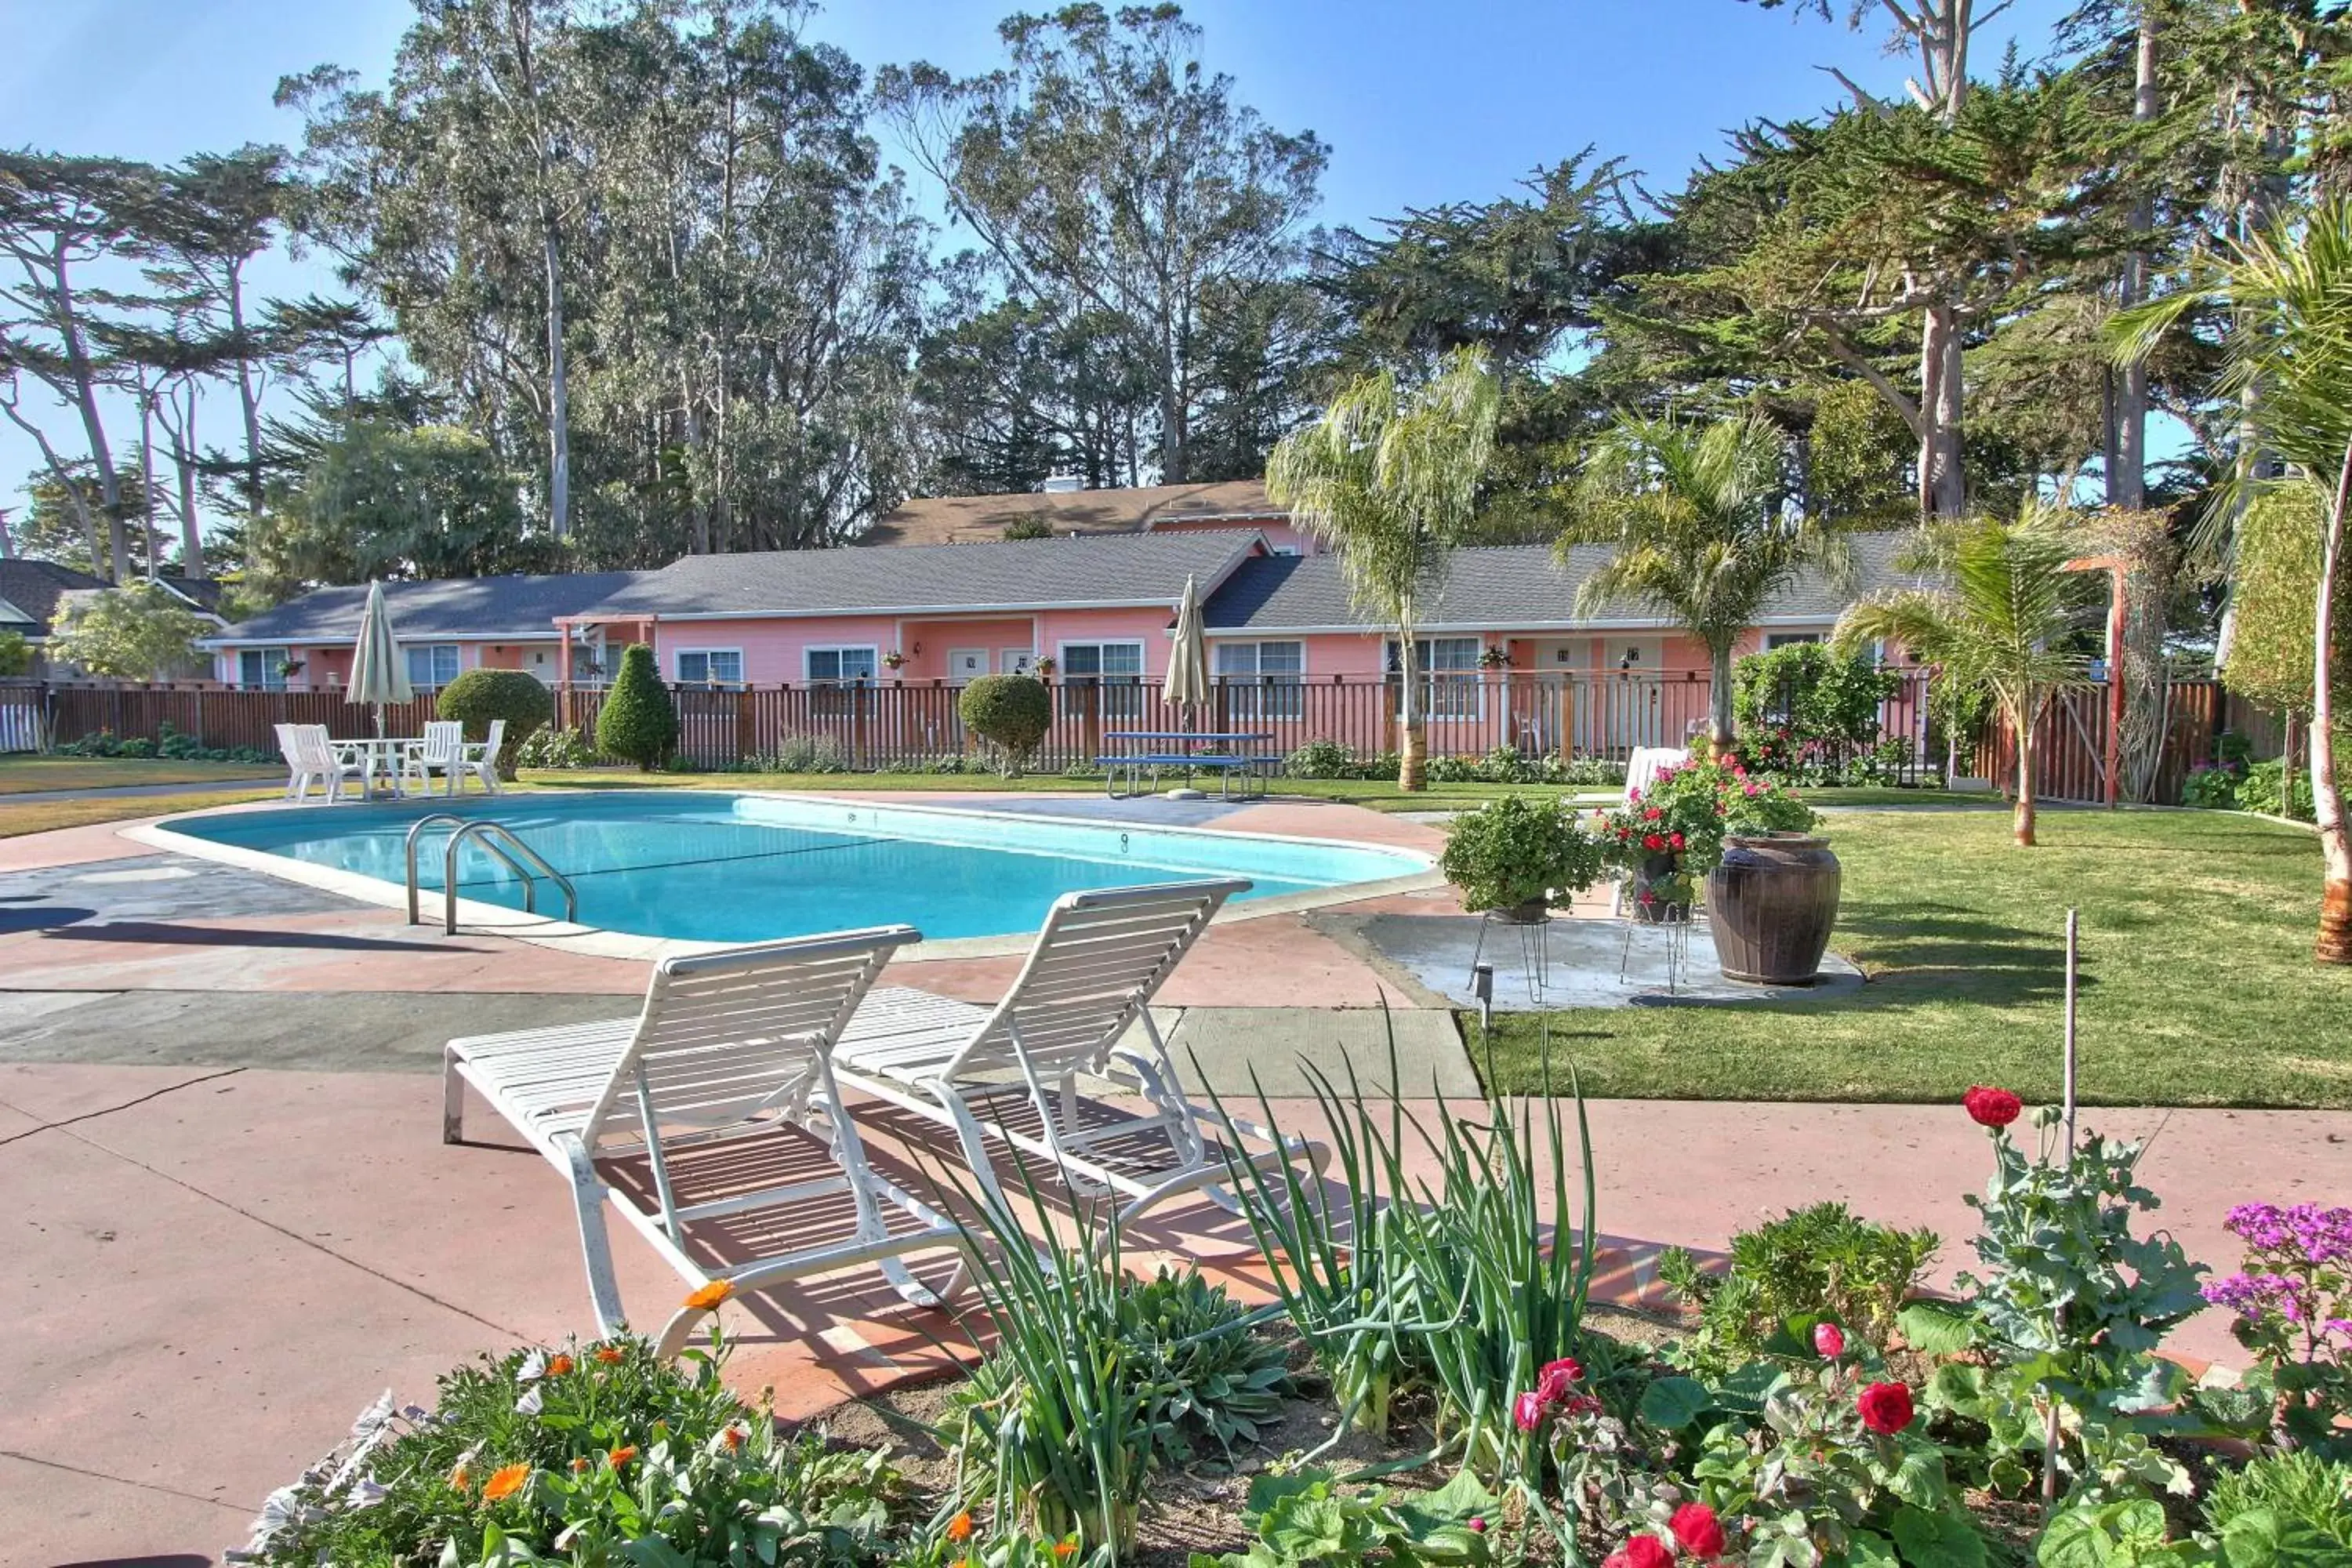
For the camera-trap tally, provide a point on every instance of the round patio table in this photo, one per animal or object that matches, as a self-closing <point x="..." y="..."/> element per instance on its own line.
<point x="383" y="754"/>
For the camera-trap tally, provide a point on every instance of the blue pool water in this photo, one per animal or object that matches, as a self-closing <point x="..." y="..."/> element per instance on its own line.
<point x="709" y="866"/>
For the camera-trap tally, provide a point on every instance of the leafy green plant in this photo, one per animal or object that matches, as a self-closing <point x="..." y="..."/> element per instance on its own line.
<point x="638" y="722"/>
<point x="2291" y="1299"/>
<point x="1684" y="814"/>
<point x="1011" y="712"/>
<point x="2211" y="785"/>
<point x="1820" y="1261"/>
<point x="16" y="656"/>
<point x="549" y="747"/>
<point x="479" y="696"/>
<point x="804" y="754"/>
<point x="1305" y="1517"/>
<point x="2127" y="1534"/>
<point x="1519" y="850"/>
<point x="1805" y="707"/>
<point x="2297" y="1486"/>
<point x="613" y="1452"/>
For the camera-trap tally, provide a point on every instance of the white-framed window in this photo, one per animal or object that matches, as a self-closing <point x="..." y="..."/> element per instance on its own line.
<point x="431" y="664"/>
<point x="1449" y="669"/>
<point x="840" y="664"/>
<point x="710" y="666"/>
<point x="1115" y="667"/>
<point x="1788" y="639"/>
<point x="262" y="669"/>
<point x="1262" y="678"/>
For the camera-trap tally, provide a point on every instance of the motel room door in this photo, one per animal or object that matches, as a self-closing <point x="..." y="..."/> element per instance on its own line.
<point x="1015" y="660"/>
<point x="967" y="664"/>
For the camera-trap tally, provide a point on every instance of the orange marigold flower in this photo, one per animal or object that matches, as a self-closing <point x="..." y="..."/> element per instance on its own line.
<point x="461" y="1478"/>
<point x="1064" y="1548"/>
<point x="960" y="1527"/>
<point x="611" y="1355"/>
<point x="505" y="1482"/>
<point x="621" y="1456"/>
<point x="710" y="1295"/>
<point x="558" y="1365"/>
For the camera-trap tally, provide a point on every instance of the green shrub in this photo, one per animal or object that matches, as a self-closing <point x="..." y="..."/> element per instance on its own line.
<point x="2211" y="786"/>
<point x="616" y="1454"/>
<point x="2298" y="1486"/>
<point x="1800" y="706"/>
<point x="1305" y="1517"/>
<point x="804" y="754"/>
<point x="639" y="722"/>
<point x="1011" y="712"/>
<point x="549" y="747"/>
<point x="1520" y="849"/>
<point x="1334" y="760"/>
<point x="16" y="655"/>
<point x="479" y="696"/>
<point x="1819" y="1262"/>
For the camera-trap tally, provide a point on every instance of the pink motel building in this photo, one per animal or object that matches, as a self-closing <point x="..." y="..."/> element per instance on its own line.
<point x="942" y="597"/>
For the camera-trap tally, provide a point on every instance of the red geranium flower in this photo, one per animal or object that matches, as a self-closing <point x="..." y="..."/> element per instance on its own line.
<point x="1695" y="1526"/>
<point x="1653" y="814"/>
<point x="1557" y="1378"/>
<point x="1991" y="1107"/>
<point x="1652" y="841"/>
<point x="1675" y="840"/>
<point x="1885" y="1407"/>
<point x="1642" y="1552"/>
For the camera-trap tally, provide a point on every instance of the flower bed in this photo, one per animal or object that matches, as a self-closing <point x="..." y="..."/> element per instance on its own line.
<point x="1436" y="1391"/>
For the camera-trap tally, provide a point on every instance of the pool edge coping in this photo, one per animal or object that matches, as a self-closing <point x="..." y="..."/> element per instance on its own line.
<point x="475" y="918"/>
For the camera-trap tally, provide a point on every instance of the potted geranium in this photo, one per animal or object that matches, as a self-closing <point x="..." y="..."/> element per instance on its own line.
<point x="1494" y="656"/>
<point x="1770" y="911"/>
<point x="1516" y="855"/>
<point x="1669" y="836"/>
<point x="893" y="659"/>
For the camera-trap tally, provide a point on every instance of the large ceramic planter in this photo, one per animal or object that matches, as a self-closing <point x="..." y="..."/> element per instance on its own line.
<point x="1659" y="897"/>
<point x="1770" y="905"/>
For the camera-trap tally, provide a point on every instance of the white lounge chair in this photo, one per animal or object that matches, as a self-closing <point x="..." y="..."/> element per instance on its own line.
<point x="441" y="754"/>
<point x="729" y="1047"/>
<point x="1088" y="980"/>
<point x="1641" y="771"/>
<point x="312" y="759"/>
<point x="480" y="758"/>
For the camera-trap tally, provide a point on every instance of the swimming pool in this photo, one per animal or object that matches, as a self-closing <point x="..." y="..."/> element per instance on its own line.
<point x="703" y="866"/>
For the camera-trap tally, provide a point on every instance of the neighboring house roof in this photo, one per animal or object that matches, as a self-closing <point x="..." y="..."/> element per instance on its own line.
<point x="33" y="589"/>
<point x="1514" y="587"/>
<point x="952" y="579"/>
<point x="515" y="607"/>
<point x="967" y="519"/>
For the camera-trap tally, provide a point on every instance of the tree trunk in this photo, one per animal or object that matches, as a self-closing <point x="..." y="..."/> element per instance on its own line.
<point x="1410" y="747"/>
<point x="1943" y="488"/>
<point x="2128" y="389"/>
<point x="2021" y="820"/>
<point x="2334" y="941"/>
<point x="1718" y="701"/>
<point x="184" y="460"/>
<point x="559" y="388"/>
<point x="248" y="399"/>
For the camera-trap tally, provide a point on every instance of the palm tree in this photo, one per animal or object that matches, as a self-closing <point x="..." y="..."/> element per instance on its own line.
<point x="1703" y="529"/>
<point x="2289" y="296"/>
<point x="1995" y="627"/>
<point x="1389" y="479"/>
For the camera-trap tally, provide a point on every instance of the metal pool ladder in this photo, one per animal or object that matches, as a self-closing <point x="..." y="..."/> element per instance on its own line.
<point x="501" y="843"/>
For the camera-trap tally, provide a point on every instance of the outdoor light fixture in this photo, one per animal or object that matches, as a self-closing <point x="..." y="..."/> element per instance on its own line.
<point x="1482" y="986"/>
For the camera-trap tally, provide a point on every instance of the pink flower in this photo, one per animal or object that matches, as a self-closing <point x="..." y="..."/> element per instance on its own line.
<point x="1477" y="1526"/>
<point x="1528" y="1410"/>
<point x="1830" y="1340"/>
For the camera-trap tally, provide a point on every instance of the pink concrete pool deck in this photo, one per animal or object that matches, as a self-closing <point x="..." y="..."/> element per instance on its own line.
<point x="214" y="1267"/>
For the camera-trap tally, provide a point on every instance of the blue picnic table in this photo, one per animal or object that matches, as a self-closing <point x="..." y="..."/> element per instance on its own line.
<point x="1231" y="754"/>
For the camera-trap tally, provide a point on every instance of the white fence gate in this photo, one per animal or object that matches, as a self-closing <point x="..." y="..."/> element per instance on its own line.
<point x="21" y="725"/>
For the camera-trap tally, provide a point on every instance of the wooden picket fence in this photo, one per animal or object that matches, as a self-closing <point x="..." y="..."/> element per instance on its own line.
<point x="2070" y="740"/>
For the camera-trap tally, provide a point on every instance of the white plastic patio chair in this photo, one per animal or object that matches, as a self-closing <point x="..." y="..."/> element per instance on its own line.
<point x="314" y="760"/>
<point x="288" y="749"/>
<point x="440" y="755"/>
<point x="729" y="1046"/>
<point x="1641" y="771"/>
<point x="480" y="759"/>
<point x="1088" y="980"/>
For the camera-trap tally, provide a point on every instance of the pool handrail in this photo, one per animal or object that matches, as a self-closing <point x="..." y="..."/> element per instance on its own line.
<point x="415" y="830"/>
<point x="483" y="828"/>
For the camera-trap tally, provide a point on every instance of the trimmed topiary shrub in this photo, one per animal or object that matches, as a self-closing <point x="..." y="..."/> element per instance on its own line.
<point x="478" y="696"/>
<point x="639" y="722"/>
<point x="1011" y="712"/>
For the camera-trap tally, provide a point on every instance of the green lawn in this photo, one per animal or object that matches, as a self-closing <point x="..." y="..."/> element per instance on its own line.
<point x="27" y="774"/>
<point x="2198" y="984"/>
<point x="39" y="817"/>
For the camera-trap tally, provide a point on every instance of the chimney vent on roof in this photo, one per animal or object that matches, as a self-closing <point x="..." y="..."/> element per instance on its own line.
<point x="1062" y="484"/>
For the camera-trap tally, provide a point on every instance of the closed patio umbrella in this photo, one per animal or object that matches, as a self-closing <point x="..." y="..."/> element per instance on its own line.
<point x="1187" y="685"/>
<point x="378" y="675"/>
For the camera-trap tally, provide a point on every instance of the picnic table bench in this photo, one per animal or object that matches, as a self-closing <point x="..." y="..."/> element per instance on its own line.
<point x="1168" y="751"/>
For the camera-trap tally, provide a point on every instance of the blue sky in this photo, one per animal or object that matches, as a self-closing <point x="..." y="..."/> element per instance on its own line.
<point x="1422" y="102"/>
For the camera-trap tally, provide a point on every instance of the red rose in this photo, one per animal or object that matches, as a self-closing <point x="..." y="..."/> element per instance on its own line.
<point x="1557" y="1378"/>
<point x="1830" y="1340"/>
<point x="1885" y="1407"/>
<point x="1991" y="1107"/>
<point x="1642" y="1552"/>
<point x="1695" y="1526"/>
<point x="1528" y="1410"/>
<point x="1582" y="1405"/>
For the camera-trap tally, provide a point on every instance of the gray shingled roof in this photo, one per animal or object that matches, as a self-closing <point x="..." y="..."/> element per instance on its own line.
<point x="512" y="606"/>
<point x="32" y="588"/>
<point x="1500" y="587"/>
<point x="1041" y="573"/>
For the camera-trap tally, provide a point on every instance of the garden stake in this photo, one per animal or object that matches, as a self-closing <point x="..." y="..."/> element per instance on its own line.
<point x="2066" y="1103"/>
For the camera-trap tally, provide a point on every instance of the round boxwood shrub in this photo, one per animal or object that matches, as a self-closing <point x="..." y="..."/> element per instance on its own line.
<point x="639" y="722"/>
<point x="1519" y="850"/>
<point x="1012" y="712"/>
<point x="478" y="696"/>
